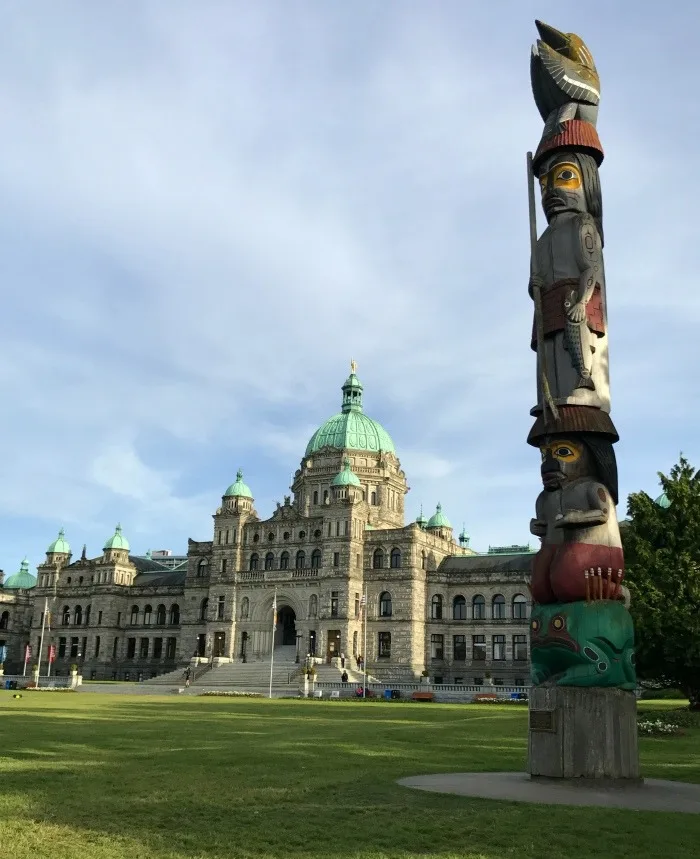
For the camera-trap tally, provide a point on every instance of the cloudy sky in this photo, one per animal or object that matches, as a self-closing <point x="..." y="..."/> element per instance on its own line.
<point x="209" y="207"/>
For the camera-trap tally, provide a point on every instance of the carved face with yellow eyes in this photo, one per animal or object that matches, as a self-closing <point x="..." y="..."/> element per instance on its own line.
<point x="563" y="460"/>
<point x="561" y="184"/>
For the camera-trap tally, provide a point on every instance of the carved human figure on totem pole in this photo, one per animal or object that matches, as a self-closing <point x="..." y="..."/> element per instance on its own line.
<point x="568" y="269"/>
<point x="576" y="519"/>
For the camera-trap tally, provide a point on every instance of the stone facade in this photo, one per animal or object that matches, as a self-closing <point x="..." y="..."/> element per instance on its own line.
<point x="432" y="604"/>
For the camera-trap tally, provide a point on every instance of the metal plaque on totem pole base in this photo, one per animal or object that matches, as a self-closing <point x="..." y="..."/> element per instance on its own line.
<point x="543" y="720"/>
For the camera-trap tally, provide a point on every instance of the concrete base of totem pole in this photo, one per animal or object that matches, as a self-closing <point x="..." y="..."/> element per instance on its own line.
<point x="583" y="734"/>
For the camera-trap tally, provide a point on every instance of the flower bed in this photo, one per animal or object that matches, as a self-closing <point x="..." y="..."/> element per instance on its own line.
<point x="216" y="694"/>
<point x="657" y="727"/>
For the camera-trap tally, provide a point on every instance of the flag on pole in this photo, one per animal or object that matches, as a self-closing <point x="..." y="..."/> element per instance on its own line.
<point x="27" y="653"/>
<point x="363" y="602"/>
<point x="274" y="611"/>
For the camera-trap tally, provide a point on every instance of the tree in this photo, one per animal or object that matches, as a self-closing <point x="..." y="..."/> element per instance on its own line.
<point x="662" y="559"/>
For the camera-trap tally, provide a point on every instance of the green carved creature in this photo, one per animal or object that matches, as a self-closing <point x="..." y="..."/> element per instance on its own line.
<point x="583" y="644"/>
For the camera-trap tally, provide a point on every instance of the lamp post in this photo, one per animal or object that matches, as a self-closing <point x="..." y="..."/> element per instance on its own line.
<point x="296" y="658"/>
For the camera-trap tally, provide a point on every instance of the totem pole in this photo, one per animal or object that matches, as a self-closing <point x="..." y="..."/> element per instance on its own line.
<point x="582" y="637"/>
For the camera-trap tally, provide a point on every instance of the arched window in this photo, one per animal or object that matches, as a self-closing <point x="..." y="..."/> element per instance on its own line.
<point x="498" y="607"/>
<point x="5" y="620"/>
<point x="202" y="568"/>
<point x="174" y="614"/>
<point x="147" y="612"/>
<point x="478" y="607"/>
<point x="325" y="496"/>
<point x="384" y="649"/>
<point x="395" y="559"/>
<point x="436" y="607"/>
<point x="313" y="605"/>
<point x="385" y="604"/>
<point x="204" y="608"/>
<point x="134" y="615"/>
<point x="300" y="562"/>
<point x="316" y="497"/>
<point x="284" y="561"/>
<point x="160" y="615"/>
<point x="378" y="559"/>
<point x="459" y="608"/>
<point x="65" y="615"/>
<point x="423" y="561"/>
<point x="315" y="559"/>
<point x="87" y="615"/>
<point x="373" y="498"/>
<point x="269" y="561"/>
<point x="78" y="615"/>
<point x="519" y="607"/>
<point x="254" y="561"/>
<point x="245" y="607"/>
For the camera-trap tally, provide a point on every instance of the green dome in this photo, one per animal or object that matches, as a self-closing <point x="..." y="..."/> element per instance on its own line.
<point x="22" y="579"/>
<point x="464" y="537"/>
<point x="351" y="429"/>
<point x="118" y="540"/>
<point x="346" y="477"/>
<point x="438" y="519"/>
<point x="59" y="545"/>
<point x="239" y="487"/>
<point x="663" y="501"/>
<point x="420" y="519"/>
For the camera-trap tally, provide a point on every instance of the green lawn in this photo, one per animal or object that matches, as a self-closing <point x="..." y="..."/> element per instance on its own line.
<point x="89" y="775"/>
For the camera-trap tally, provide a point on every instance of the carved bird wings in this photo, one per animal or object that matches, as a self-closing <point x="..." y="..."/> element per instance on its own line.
<point x="562" y="71"/>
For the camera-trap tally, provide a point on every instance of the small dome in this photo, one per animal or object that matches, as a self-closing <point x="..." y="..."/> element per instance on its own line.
<point x="117" y="541"/>
<point x="59" y="545"/>
<point x="238" y="488"/>
<point x="464" y="538"/>
<point x="662" y="501"/>
<point x="23" y="578"/>
<point x="438" y="519"/>
<point x="420" y="519"/>
<point x="346" y="477"/>
<point x="351" y="429"/>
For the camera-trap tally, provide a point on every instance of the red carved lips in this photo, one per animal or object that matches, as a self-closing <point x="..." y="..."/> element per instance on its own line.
<point x="560" y="639"/>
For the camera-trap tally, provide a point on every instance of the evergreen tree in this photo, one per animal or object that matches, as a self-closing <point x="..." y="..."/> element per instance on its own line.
<point x="662" y="559"/>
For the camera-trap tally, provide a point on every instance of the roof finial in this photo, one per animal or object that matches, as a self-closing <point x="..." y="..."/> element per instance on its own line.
<point x="353" y="366"/>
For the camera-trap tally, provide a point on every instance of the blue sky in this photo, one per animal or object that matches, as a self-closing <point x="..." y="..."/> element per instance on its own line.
<point x="209" y="208"/>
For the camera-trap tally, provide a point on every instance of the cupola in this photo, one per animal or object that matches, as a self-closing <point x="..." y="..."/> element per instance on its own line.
<point x="238" y="498"/>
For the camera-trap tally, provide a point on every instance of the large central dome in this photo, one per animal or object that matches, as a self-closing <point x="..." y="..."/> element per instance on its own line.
<point x="351" y="429"/>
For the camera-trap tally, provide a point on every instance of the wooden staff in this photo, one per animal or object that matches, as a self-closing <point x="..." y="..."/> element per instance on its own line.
<point x="600" y="583"/>
<point x="588" y="587"/>
<point x="547" y="401"/>
<point x="609" y="593"/>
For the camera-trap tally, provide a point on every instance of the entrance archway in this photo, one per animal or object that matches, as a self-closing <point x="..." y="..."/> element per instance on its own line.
<point x="286" y="632"/>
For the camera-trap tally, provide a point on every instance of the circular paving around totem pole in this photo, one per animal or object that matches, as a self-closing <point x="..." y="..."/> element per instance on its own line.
<point x="648" y="795"/>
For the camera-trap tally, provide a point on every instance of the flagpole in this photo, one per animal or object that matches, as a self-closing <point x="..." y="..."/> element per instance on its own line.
<point x="274" y="627"/>
<point x="41" y="639"/>
<point x="364" y="655"/>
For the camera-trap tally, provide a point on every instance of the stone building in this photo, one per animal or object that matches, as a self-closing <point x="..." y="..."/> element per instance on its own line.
<point x="432" y="604"/>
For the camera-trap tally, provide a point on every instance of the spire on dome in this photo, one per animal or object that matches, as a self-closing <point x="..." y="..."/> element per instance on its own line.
<point x="352" y="392"/>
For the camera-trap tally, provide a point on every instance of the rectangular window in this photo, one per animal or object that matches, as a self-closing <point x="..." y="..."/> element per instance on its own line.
<point x="97" y="646"/>
<point x="357" y="605"/>
<point x="220" y="607"/>
<point x="227" y="535"/>
<point x="99" y="618"/>
<point x="459" y="681"/>
<point x="143" y="649"/>
<point x="479" y="649"/>
<point x="83" y="650"/>
<point x="437" y="646"/>
<point x="170" y="648"/>
<point x="437" y="680"/>
<point x="384" y="645"/>
<point x="119" y="618"/>
<point x="519" y="608"/>
<point x="221" y="535"/>
<point x="74" y="642"/>
<point x="459" y="648"/>
<point x="61" y="648"/>
<point x="478" y="681"/>
<point x="157" y="648"/>
<point x="115" y="648"/>
<point x="520" y="648"/>
<point x="130" y="648"/>
<point x="499" y="682"/>
<point x="334" y="603"/>
<point x="224" y="564"/>
<point x="337" y="529"/>
<point x="336" y="559"/>
<point x="499" y="647"/>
